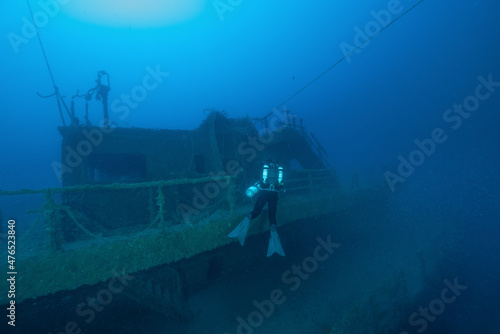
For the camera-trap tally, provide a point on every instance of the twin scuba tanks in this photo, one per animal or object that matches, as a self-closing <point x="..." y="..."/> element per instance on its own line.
<point x="251" y="191"/>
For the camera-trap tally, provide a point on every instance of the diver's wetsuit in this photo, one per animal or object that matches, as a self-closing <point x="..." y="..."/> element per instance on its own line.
<point x="270" y="184"/>
<point x="267" y="187"/>
<point x="271" y="197"/>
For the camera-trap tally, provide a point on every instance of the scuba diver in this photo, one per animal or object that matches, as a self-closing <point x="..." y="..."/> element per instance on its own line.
<point x="267" y="189"/>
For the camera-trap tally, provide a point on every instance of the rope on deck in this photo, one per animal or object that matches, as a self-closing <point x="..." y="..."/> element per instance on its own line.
<point x="73" y="218"/>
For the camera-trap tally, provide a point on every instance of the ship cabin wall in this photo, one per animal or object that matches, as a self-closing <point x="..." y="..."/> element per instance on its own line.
<point x="94" y="155"/>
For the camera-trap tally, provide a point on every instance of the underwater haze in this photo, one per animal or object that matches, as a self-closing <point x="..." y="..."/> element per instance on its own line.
<point x="403" y="95"/>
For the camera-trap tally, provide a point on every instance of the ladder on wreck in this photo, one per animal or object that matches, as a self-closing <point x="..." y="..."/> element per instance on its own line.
<point x="312" y="141"/>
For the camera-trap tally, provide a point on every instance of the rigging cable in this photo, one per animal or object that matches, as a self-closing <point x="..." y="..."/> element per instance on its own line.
<point x="344" y="57"/>
<point x="56" y="93"/>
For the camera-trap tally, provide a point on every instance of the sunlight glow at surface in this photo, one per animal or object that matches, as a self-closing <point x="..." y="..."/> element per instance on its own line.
<point x="134" y="13"/>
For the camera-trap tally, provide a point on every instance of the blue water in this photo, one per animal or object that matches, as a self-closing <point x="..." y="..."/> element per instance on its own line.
<point x="414" y="109"/>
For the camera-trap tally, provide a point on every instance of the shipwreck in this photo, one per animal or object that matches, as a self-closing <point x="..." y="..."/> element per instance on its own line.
<point x="144" y="199"/>
<point x="146" y="213"/>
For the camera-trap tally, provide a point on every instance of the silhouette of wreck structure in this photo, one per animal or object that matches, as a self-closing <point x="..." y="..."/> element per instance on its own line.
<point x="145" y="199"/>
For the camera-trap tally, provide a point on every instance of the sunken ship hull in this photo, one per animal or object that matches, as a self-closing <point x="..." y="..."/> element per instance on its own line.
<point x="139" y="199"/>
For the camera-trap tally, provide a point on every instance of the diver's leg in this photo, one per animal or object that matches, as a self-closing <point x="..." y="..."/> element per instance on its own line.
<point x="241" y="230"/>
<point x="272" y="206"/>
<point x="274" y="240"/>
<point x="259" y="205"/>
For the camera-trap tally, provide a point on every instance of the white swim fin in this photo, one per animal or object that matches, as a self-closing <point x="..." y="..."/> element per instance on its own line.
<point x="274" y="243"/>
<point x="241" y="230"/>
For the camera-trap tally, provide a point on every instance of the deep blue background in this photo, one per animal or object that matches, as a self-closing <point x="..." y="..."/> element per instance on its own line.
<point x="366" y="112"/>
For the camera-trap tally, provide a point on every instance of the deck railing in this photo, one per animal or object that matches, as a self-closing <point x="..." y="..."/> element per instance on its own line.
<point x="313" y="181"/>
<point x="308" y="181"/>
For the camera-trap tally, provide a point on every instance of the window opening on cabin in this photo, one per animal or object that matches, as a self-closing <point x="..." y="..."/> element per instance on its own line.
<point x="104" y="168"/>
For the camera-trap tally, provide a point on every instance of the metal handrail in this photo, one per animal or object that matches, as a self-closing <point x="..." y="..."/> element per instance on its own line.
<point x="112" y="186"/>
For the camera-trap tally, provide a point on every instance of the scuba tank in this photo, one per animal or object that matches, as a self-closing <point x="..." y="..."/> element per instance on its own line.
<point x="272" y="176"/>
<point x="251" y="191"/>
